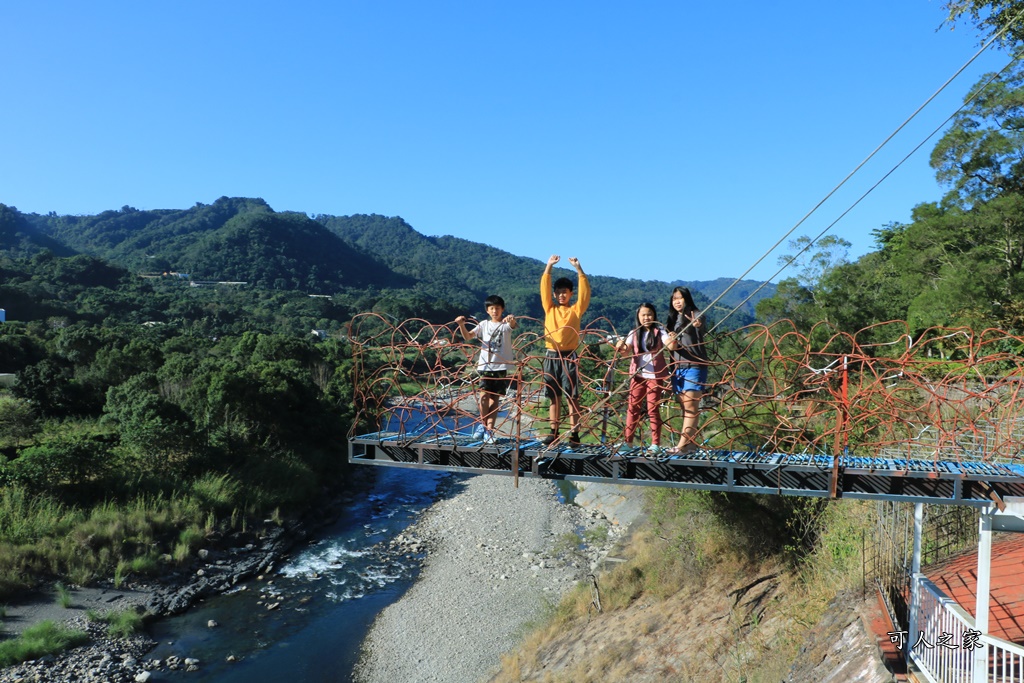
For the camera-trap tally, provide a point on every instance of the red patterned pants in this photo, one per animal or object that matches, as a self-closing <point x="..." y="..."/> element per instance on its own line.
<point x="641" y="389"/>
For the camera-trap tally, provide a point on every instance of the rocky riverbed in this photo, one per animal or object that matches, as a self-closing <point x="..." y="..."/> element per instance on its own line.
<point x="228" y="562"/>
<point x="497" y="558"/>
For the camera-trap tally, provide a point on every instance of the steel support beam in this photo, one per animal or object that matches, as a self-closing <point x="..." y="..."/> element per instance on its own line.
<point x="861" y="478"/>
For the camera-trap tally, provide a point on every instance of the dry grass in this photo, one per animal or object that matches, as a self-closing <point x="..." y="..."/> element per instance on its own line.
<point x="695" y="601"/>
<point x="39" y="537"/>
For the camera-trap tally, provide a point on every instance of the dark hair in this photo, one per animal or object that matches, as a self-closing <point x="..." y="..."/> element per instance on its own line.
<point x="563" y="283"/>
<point x="494" y="300"/>
<point x="653" y="333"/>
<point x="688" y="307"/>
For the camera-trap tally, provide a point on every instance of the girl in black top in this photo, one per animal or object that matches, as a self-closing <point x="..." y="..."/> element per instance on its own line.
<point x="690" y="364"/>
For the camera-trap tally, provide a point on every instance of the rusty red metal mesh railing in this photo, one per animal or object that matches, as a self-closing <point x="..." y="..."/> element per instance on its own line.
<point x="942" y="395"/>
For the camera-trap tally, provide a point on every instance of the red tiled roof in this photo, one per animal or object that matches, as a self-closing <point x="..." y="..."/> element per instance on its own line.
<point x="957" y="577"/>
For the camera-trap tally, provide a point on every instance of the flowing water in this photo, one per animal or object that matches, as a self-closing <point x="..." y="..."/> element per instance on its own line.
<point x="306" y="621"/>
<point x="324" y="598"/>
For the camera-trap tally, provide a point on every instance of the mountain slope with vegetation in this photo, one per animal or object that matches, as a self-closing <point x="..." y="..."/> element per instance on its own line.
<point x="19" y="237"/>
<point x="452" y="264"/>
<point x="231" y="239"/>
<point x="371" y="261"/>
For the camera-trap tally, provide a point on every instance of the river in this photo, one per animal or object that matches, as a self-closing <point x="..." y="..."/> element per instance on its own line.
<point x="307" y="620"/>
<point x="324" y="597"/>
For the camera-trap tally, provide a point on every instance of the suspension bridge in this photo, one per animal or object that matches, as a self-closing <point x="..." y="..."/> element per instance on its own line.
<point x="884" y="414"/>
<point x="881" y="414"/>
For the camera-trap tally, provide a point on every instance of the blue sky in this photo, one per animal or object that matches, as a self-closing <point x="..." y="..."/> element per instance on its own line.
<point x="660" y="140"/>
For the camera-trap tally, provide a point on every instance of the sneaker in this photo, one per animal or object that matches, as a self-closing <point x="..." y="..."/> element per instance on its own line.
<point x="619" y="450"/>
<point x="489" y="437"/>
<point x="479" y="432"/>
<point x="547" y="440"/>
<point x="574" y="438"/>
<point x="655" y="450"/>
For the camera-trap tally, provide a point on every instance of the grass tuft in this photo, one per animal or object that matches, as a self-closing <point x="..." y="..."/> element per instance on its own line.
<point x="45" y="638"/>
<point x="63" y="596"/>
<point x="188" y="541"/>
<point x="121" y="624"/>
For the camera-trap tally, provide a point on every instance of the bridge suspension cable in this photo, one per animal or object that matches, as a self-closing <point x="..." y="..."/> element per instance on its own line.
<point x="866" y="159"/>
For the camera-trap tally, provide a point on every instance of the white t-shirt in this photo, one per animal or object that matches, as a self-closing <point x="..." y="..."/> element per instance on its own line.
<point x="495" y="346"/>
<point x="645" y="366"/>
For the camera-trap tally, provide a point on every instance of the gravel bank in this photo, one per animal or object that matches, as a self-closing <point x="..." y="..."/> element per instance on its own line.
<point x="496" y="557"/>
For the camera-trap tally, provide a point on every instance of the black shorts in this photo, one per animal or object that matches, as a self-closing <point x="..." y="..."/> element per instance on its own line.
<point x="561" y="374"/>
<point x="494" y="382"/>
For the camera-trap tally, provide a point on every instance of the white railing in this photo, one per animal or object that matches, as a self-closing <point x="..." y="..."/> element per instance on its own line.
<point x="1007" y="661"/>
<point x="945" y="645"/>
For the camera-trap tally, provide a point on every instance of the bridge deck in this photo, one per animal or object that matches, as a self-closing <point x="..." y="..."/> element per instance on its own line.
<point x="911" y="480"/>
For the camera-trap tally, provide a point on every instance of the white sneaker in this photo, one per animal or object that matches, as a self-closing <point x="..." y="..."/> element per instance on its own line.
<point x="479" y="432"/>
<point x="489" y="437"/>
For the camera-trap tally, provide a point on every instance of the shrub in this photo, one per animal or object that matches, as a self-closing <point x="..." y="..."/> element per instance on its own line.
<point x="218" y="492"/>
<point x="60" y="461"/>
<point x="119" y="624"/>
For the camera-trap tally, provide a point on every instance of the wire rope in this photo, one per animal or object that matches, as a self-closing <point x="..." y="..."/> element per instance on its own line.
<point x="859" y="166"/>
<point x="871" y="189"/>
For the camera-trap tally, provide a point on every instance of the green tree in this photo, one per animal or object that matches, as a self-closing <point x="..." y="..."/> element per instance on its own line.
<point x="792" y="301"/>
<point x="60" y="463"/>
<point x="979" y="157"/>
<point x="990" y="17"/>
<point x="49" y="387"/>
<point x="153" y="428"/>
<point x="867" y="291"/>
<point x="959" y="266"/>
<point x="17" y="420"/>
<point x="800" y="298"/>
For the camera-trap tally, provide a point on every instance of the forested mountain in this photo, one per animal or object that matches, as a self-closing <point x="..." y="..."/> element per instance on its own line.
<point x="18" y="237"/>
<point x="456" y="267"/>
<point x="131" y="385"/>
<point x="231" y="239"/>
<point x="365" y="261"/>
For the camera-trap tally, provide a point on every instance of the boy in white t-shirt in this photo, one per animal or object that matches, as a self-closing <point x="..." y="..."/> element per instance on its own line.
<point x="496" y="359"/>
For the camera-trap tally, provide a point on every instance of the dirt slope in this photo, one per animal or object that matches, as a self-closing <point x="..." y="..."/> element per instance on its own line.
<point x="737" y="626"/>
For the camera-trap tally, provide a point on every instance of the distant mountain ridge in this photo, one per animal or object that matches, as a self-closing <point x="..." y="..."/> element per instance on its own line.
<point x="231" y="239"/>
<point x="244" y="239"/>
<point x="486" y="270"/>
<point x="19" y="237"/>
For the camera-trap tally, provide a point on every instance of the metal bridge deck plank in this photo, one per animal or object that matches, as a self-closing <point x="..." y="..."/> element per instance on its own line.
<point x="708" y="469"/>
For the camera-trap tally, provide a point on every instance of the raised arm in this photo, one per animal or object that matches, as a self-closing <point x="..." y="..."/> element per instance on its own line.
<point x="582" y="287"/>
<point x="546" y="298"/>
<point x="466" y="334"/>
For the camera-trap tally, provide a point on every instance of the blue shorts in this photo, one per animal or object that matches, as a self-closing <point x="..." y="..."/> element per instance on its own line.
<point x="693" y="378"/>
